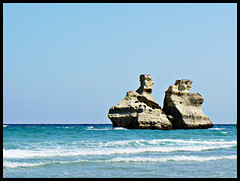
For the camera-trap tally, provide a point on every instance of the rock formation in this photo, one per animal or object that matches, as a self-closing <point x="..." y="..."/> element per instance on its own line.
<point x="139" y="110"/>
<point x="184" y="108"/>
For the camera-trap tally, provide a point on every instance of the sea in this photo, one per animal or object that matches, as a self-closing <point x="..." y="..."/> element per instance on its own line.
<point x="101" y="151"/>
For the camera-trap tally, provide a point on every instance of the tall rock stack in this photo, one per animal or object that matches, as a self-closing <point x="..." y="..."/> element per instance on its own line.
<point x="184" y="109"/>
<point x="139" y="110"/>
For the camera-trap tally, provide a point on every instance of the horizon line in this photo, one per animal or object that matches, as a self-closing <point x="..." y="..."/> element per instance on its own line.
<point x="86" y="123"/>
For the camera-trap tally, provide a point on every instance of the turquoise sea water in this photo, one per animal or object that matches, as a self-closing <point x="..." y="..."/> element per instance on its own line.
<point x="102" y="151"/>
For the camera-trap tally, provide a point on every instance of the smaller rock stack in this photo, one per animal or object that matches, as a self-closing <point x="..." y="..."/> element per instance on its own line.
<point x="184" y="109"/>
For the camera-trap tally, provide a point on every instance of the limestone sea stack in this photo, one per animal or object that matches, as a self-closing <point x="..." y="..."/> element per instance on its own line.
<point x="184" y="109"/>
<point x="139" y="110"/>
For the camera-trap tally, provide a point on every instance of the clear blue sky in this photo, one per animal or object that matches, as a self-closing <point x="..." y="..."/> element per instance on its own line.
<point x="69" y="63"/>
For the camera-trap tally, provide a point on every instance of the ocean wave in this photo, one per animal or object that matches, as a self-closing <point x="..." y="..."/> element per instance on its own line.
<point x="94" y="147"/>
<point x="216" y="128"/>
<point x="128" y="143"/>
<point x="98" y="129"/>
<point x="120" y="128"/>
<point x="108" y="128"/>
<point x="18" y="153"/>
<point x="4" y="125"/>
<point x="142" y="142"/>
<point x="14" y="164"/>
<point x="172" y="158"/>
<point x="11" y="164"/>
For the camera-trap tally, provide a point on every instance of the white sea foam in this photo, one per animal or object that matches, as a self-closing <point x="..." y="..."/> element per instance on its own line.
<point x="93" y="147"/>
<point x="108" y="128"/>
<point x="153" y="142"/>
<point x="172" y="158"/>
<point x="100" y="129"/>
<point x="92" y="128"/>
<point x="216" y="128"/>
<point x="128" y="143"/>
<point x="4" y="126"/>
<point x="14" y="164"/>
<point x="10" y="164"/>
<point x="54" y="152"/>
<point x="120" y="128"/>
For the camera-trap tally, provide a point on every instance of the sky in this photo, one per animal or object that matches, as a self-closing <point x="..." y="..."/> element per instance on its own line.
<point x="70" y="63"/>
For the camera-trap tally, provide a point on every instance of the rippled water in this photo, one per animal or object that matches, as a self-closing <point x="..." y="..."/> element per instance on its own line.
<point x="103" y="151"/>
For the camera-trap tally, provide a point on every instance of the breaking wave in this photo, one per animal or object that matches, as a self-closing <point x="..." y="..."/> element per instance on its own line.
<point x="12" y="164"/>
<point x="216" y="128"/>
<point x="19" y="153"/>
<point x="172" y="158"/>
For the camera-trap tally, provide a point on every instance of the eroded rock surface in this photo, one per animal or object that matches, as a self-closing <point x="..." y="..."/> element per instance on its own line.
<point x="184" y="109"/>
